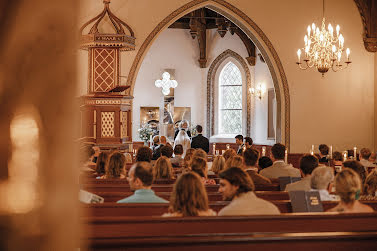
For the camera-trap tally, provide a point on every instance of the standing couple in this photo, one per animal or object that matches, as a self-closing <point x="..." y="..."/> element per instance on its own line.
<point x="183" y="138"/>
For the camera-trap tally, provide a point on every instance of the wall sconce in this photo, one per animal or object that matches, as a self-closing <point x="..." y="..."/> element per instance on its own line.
<point x="259" y="91"/>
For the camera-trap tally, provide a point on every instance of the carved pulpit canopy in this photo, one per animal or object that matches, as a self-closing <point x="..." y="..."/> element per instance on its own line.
<point x="118" y="40"/>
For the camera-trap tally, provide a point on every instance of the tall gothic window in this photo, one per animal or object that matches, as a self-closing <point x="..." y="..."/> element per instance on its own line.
<point x="230" y="100"/>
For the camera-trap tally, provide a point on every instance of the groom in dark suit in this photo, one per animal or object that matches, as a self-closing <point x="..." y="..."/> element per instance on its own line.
<point x="200" y="141"/>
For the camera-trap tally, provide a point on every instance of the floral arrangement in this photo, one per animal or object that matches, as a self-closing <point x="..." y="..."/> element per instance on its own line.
<point x="193" y="131"/>
<point x="145" y="132"/>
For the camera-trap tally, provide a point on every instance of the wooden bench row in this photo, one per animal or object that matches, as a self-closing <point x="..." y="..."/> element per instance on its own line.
<point x="124" y="187"/>
<point x="312" y="231"/>
<point x="152" y="209"/>
<point x="212" y="196"/>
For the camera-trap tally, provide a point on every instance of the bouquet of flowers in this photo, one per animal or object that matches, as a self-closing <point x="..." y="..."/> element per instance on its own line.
<point x="193" y="131"/>
<point x="145" y="132"/>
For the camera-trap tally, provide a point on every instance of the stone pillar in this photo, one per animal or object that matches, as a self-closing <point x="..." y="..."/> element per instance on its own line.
<point x="38" y="83"/>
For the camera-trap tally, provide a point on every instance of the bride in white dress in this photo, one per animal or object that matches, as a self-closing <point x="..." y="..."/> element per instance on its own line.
<point x="184" y="140"/>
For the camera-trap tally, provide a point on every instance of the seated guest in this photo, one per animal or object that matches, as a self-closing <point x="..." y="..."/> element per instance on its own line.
<point x="237" y="187"/>
<point x="218" y="164"/>
<point x="144" y="153"/>
<point x="86" y="156"/>
<point x="229" y="153"/>
<point x="338" y="161"/>
<point x="372" y="158"/>
<point x="323" y="152"/>
<point x="199" y="166"/>
<point x="115" y="166"/>
<point x="308" y="163"/>
<point x="163" y="169"/>
<point x="279" y="168"/>
<point x="167" y="151"/>
<point x="248" y="142"/>
<point x="348" y="187"/>
<point x="370" y="187"/>
<point x="250" y="158"/>
<point x="200" y="153"/>
<point x="199" y="141"/>
<point x="140" y="178"/>
<point x="240" y="144"/>
<point x="154" y="146"/>
<point x="264" y="162"/>
<point x="189" y="198"/>
<point x="157" y="149"/>
<point x="320" y="181"/>
<point x="234" y="161"/>
<point x="177" y="160"/>
<point x="357" y="167"/>
<point x="128" y="158"/>
<point x="364" y="158"/>
<point x="101" y="164"/>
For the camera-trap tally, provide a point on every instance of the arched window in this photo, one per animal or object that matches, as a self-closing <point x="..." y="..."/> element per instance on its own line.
<point x="230" y="100"/>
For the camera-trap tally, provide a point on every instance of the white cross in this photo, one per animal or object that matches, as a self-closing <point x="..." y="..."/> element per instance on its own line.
<point x="166" y="83"/>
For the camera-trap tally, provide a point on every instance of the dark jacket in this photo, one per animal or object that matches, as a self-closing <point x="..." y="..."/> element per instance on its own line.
<point x="200" y="141"/>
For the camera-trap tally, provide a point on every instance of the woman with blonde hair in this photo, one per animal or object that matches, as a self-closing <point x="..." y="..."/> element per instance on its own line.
<point x="189" y="198"/>
<point x="234" y="161"/>
<point x="348" y="187"/>
<point x="199" y="166"/>
<point x="229" y="153"/>
<point x="218" y="164"/>
<point x="163" y="169"/>
<point x="115" y="166"/>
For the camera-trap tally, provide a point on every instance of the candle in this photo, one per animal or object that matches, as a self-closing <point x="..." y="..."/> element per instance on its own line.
<point x="345" y="156"/>
<point x="355" y="153"/>
<point x="130" y="148"/>
<point x="263" y="151"/>
<point x="214" y="148"/>
<point x="217" y="152"/>
<point x="286" y="156"/>
<point x="243" y="148"/>
<point x="330" y="153"/>
<point x="312" y="150"/>
<point x="299" y="54"/>
<point x="227" y="146"/>
<point x="348" y="54"/>
<point x="222" y="152"/>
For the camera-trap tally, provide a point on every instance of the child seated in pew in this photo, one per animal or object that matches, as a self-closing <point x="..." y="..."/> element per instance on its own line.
<point x="189" y="198"/>
<point x="348" y="187"/>
<point x="115" y="165"/>
<point x="163" y="169"/>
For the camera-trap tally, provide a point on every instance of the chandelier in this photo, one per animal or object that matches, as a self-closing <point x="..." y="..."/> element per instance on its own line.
<point x="323" y="49"/>
<point x="166" y="83"/>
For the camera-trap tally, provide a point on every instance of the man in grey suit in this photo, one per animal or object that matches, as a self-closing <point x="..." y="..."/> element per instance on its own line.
<point x="279" y="168"/>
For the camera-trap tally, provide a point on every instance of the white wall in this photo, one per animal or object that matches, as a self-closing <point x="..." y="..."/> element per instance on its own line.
<point x="175" y="49"/>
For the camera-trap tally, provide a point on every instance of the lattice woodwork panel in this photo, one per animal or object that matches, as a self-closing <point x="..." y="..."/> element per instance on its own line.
<point x="104" y="69"/>
<point x="107" y="124"/>
<point x="123" y="126"/>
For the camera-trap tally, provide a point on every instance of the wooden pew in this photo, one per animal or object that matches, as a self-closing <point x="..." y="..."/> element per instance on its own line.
<point x="212" y="196"/>
<point x="119" y="186"/>
<point x="134" y="227"/>
<point x="245" y="241"/>
<point x="150" y="209"/>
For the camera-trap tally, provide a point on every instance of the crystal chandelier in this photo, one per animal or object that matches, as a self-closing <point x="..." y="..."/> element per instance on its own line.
<point x="323" y="49"/>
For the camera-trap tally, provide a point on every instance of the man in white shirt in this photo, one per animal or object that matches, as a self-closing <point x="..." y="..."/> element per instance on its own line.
<point x="237" y="187"/>
<point x="320" y="180"/>
<point x="279" y="168"/>
<point x="308" y="163"/>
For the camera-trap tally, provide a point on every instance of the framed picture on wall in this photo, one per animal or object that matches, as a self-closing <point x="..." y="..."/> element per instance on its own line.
<point x="271" y="121"/>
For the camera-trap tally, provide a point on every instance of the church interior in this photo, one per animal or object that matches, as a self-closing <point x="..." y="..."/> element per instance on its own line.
<point x="117" y="74"/>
